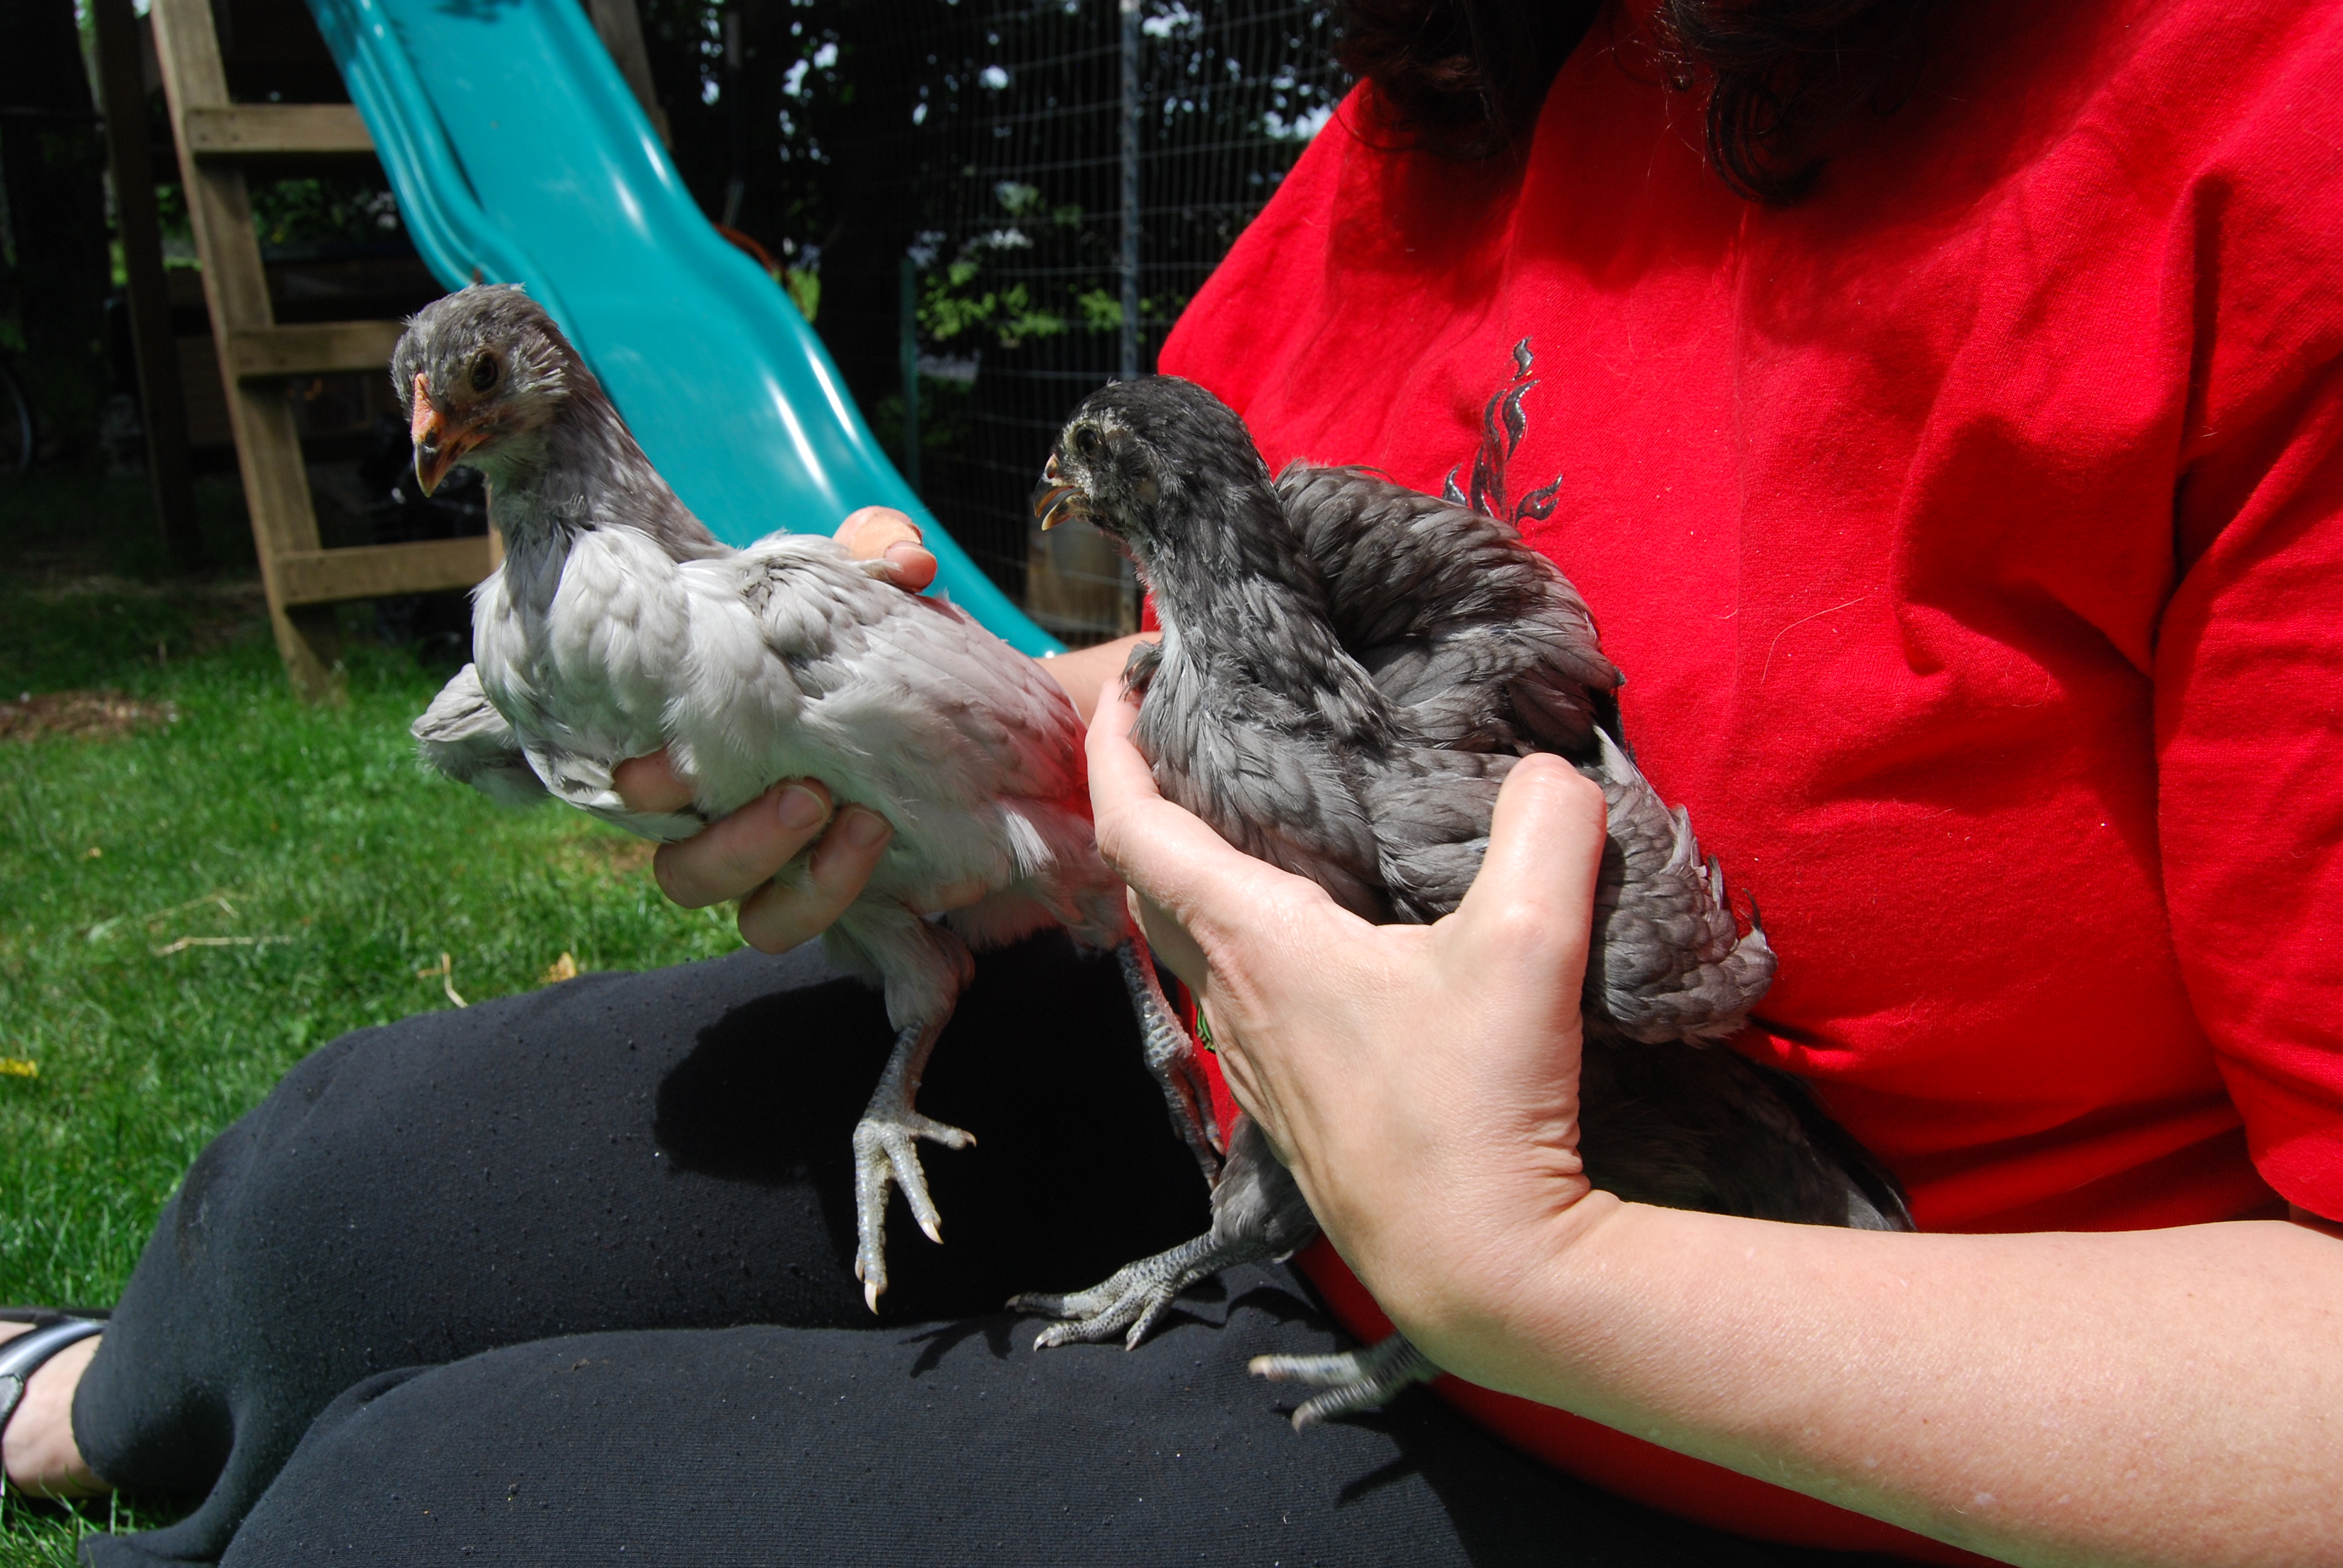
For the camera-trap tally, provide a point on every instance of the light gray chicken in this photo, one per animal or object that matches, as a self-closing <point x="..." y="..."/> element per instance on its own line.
<point x="1347" y="673"/>
<point x="618" y="625"/>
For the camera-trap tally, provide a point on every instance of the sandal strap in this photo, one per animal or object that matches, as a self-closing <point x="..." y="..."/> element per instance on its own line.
<point x="26" y="1355"/>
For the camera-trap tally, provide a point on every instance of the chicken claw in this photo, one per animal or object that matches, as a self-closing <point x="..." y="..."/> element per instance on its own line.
<point x="886" y="1152"/>
<point x="1135" y="1299"/>
<point x="1354" y="1380"/>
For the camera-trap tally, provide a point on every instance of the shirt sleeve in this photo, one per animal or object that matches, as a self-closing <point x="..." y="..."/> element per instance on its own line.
<point x="2249" y="730"/>
<point x="2248" y="660"/>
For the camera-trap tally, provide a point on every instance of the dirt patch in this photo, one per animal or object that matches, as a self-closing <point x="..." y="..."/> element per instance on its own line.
<point x="89" y="714"/>
<point x="610" y="854"/>
<point x="225" y="611"/>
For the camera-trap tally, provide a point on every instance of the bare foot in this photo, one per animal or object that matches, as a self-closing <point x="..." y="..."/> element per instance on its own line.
<point x="38" y="1446"/>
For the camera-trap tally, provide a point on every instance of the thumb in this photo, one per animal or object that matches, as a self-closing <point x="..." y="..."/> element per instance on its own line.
<point x="884" y="534"/>
<point x="1530" y="909"/>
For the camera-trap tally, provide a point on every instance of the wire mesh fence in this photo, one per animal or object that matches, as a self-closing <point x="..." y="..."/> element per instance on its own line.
<point x="988" y="206"/>
<point x="1075" y="171"/>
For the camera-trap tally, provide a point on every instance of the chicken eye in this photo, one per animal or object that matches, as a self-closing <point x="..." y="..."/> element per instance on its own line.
<point x="1087" y="442"/>
<point x="484" y="372"/>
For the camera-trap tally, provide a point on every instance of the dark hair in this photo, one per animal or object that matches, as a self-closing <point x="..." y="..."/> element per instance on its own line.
<point x="1465" y="77"/>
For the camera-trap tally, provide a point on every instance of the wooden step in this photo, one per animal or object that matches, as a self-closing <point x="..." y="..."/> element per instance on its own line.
<point x="318" y="348"/>
<point x="218" y="142"/>
<point x="363" y="571"/>
<point x="274" y="130"/>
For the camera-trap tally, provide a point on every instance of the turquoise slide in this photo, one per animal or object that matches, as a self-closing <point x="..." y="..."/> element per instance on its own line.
<point x="517" y="151"/>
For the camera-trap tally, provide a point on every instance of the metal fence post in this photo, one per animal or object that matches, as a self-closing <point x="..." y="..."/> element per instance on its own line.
<point x="1129" y="263"/>
<point x="1074" y="173"/>
<point x="909" y="344"/>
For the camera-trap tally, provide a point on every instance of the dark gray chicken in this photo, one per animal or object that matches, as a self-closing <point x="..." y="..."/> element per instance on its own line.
<point x="617" y="625"/>
<point x="1348" y="671"/>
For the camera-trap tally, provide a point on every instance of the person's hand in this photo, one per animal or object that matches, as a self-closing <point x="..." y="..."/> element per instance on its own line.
<point x="1421" y="1081"/>
<point x="738" y="857"/>
<point x="884" y="534"/>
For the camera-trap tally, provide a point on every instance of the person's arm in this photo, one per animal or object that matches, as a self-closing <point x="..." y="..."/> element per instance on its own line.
<point x="1087" y="671"/>
<point x="2169" y="1397"/>
<point x="738" y="857"/>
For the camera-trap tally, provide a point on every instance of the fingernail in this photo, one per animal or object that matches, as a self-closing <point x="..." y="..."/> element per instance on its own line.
<point x="800" y="807"/>
<point x="864" y="829"/>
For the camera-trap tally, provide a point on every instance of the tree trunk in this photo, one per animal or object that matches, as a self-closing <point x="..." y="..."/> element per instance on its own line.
<point x="57" y="271"/>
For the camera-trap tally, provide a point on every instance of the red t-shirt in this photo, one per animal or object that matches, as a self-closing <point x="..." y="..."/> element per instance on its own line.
<point x="1971" y="535"/>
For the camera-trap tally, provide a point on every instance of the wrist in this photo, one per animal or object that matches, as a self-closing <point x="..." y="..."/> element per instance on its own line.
<point x="1490" y="1296"/>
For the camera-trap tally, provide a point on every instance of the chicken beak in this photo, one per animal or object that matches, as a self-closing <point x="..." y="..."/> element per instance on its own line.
<point x="439" y="446"/>
<point x="1055" y="500"/>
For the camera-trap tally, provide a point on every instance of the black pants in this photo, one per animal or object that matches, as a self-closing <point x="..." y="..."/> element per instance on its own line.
<point x="474" y="1287"/>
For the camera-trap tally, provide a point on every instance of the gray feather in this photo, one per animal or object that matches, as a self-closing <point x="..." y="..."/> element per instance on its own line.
<point x="1257" y="1201"/>
<point x="606" y="480"/>
<point x="1667" y="961"/>
<point x="1484" y="640"/>
<point x="464" y="737"/>
<point x="1349" y="671"/>
<point x="617" y="625"/>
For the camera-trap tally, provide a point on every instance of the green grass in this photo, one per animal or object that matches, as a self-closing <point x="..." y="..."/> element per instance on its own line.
<point x="309" y="835"/>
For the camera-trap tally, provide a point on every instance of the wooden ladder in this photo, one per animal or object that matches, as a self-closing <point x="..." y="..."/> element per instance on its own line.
<point x="216" y="138"/>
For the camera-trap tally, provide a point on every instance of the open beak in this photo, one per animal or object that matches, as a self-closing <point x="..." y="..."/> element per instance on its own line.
<point x="1054" y="500"/>
<point x="439" y="446"/>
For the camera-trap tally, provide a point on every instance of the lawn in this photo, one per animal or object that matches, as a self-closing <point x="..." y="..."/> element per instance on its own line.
<point x="218" y="880"/>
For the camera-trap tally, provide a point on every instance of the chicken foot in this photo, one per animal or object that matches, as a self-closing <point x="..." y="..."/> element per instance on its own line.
<point x="886" y="1150"/>
<point x="1258" y="1214"/>
<point x="1137" y="1295"/>
<point x="1355" y="1381"/>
